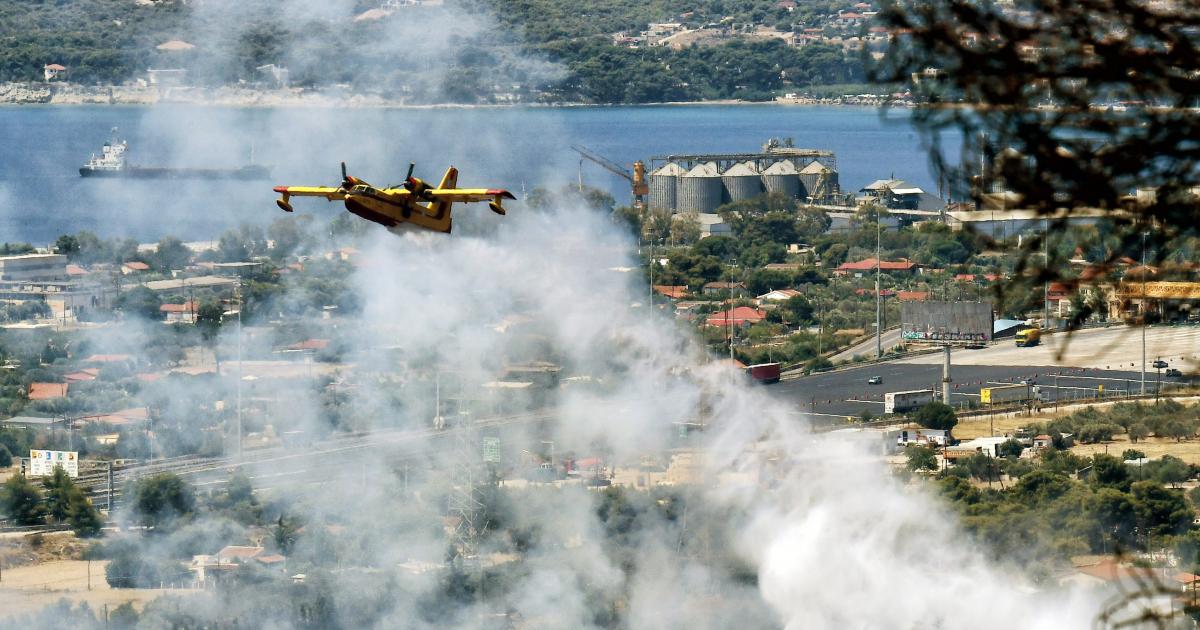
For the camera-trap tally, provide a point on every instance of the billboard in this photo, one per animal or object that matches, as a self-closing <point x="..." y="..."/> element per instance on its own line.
<point x="43" y="463"/>
<point x="959" y="323"/>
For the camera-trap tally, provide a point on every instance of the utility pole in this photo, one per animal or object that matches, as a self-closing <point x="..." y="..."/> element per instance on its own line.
<point x="1144" y="320"/>
<point x="651" y="260"/>
<point x="731" y="314"/>
<point x="1046" y="283"/>
<point x="878" y="297"/>
<point x="239" y="370"/>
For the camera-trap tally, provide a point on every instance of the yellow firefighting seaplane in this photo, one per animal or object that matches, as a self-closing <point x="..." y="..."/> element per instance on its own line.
<point x="411" y="205"/>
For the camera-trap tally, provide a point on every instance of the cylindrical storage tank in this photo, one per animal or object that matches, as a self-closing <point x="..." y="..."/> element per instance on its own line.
<point x="742" y="182"/>
<point x="700" y="189"/>
<point x="782" y="177"/>
<point x="663" y="183"/>
<point x="818" y="180"/>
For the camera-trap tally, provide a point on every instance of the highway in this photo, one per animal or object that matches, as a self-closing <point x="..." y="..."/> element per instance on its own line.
<point x="1090" y="359"/>
<point x="888" y="340"/>
<point x="1114" y="348"/>
<point x="322" y="462"/>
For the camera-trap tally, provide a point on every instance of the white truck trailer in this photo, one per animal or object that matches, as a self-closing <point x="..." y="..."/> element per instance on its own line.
<point x="898" y="402"/>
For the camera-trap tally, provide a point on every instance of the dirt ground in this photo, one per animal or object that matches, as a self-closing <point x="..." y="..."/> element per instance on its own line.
<point x="1188" y="450"/>
<point x="33" y="576"/>
<point x="28" y="589"/>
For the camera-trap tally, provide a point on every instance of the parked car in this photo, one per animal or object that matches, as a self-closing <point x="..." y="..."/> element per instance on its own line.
<point x="875" y="380"/>
<point x="1174" y="372"/>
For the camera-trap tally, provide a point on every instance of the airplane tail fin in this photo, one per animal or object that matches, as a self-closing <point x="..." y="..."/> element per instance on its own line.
<point x="449" y="181"/>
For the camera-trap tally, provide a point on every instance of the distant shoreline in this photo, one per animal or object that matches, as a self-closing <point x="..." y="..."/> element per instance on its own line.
<point x="22" y="94"/>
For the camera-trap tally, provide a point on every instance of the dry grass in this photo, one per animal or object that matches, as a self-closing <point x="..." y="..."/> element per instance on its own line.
<point x="1188" y="451"/>
<point x="1000" y="424"/>
<point x="28" y="589"/>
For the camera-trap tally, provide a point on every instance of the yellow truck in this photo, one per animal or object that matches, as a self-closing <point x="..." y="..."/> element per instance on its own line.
<point x="1029" y="337"/>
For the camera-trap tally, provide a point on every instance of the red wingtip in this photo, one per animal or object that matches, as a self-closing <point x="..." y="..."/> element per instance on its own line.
<point x="498" y="192"/>
<point x="281" y="189"/>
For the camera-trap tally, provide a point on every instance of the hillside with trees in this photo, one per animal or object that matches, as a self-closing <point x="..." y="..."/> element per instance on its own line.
<point x="545" y="50"/>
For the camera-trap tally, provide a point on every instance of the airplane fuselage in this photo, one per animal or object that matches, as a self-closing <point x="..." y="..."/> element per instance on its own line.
<point x="416" y="204"/>
<point x="391" y="211"/>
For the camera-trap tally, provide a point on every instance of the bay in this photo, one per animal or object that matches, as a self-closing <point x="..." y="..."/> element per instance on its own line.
<point x="43" y="196"/>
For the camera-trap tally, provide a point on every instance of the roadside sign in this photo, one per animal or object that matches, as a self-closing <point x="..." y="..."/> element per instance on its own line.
<point x="43" y="463"/>
<point x="491" y="450"/>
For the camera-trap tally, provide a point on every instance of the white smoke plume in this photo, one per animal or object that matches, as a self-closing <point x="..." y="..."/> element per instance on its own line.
<point x="833" y="539"/>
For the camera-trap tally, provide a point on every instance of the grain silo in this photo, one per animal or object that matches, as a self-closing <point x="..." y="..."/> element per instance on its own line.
<point x="742" y="182"/>
<point x="782" y="177"/>
<point x="819" y="181"/>
<point x="663" y="184"/>
<point x="700" y="189"/>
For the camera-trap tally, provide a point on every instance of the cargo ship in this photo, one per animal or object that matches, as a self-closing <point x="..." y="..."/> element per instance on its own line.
<point x="112" y="163"/>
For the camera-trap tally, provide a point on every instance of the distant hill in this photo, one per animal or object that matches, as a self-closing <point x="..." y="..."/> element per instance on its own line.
<point x="559" y="50"/>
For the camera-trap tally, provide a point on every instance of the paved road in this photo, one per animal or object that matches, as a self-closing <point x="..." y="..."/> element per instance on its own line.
<point x="889" y="340"/>
<point x="1102" y="348"/>
<point x="834" y="395"/>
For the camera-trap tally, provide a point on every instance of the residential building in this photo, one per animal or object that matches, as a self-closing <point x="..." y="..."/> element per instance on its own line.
<point x="47" y="391"/>
<point x="197" y="282"/>
<point x="33" y="422"/>
<point x="675" y="292"/>
<point x="53" y="71"/>
<point x="723" y="289"/>
<point x="868" y="265"/>
<point x="179" y="313"/>
<point x="738" y="316"/>
<point x="778" y="295"/>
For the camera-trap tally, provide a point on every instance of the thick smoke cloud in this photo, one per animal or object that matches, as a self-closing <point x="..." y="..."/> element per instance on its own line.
<point x="833" y="539"/>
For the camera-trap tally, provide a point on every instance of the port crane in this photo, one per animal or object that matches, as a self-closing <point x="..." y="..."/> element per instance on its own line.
<point x="637" y="179"/>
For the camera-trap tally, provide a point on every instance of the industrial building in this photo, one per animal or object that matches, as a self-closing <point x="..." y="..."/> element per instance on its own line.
<point x="33" y="267"/>
<point x="44" y="278"/>
<point x="702" y="182"/>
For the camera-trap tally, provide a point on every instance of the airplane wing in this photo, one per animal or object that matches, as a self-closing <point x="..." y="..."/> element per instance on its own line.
<point x="312" y="191"/>
<point x="460" y="195"/>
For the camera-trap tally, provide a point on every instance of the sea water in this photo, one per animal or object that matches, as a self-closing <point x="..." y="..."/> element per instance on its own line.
<point x="43" y="196"/>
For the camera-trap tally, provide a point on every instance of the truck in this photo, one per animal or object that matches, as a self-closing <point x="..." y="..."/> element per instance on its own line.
<point x="765" y="373"/>
<point x="1029" y="337"/>
<point x="1001" y="394"/>
<point x="897" y="402"/>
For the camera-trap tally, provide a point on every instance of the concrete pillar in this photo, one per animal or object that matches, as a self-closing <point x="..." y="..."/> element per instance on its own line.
<point x="946" y="376"/>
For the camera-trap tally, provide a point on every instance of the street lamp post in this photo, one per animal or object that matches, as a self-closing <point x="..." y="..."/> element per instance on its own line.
<point x="1144" y="320"/>
<point x="878" y="299"/>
